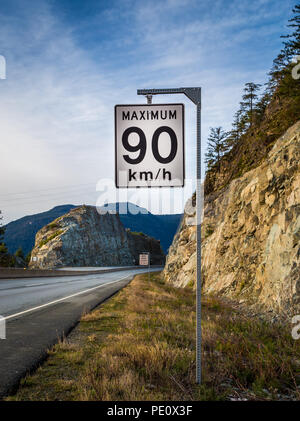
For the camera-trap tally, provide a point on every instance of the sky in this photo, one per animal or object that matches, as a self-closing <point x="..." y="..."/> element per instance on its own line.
<point x="68" y="62"/>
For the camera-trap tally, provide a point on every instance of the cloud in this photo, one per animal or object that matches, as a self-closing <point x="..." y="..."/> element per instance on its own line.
<point x="65" y="75"/>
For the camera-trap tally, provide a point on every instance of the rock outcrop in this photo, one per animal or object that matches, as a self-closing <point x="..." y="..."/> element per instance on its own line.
<point x="139" y="242"/>
<point x="250" y="235"/>
<point x="83" y="237"/>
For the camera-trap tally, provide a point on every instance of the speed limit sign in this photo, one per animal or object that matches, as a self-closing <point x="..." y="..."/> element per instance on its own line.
<point x="149" y="145"/>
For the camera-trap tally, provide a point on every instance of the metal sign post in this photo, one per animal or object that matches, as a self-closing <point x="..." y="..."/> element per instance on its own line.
<point x="194" y="94"/>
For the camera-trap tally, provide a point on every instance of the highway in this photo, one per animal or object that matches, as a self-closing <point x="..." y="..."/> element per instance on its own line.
<point x="39" y="311"/>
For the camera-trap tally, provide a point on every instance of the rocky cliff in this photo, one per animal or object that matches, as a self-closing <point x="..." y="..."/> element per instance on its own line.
<point x="139" y="242"/>
<point x="250" y="234"/>
<point x="82" y="237"/>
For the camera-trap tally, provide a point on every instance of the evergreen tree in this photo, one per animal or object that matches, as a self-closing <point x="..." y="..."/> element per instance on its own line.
<point x="3" y="249"/>
<point x="19" y="253"/>
<point x="238" y="129"/>
<point x="27" y="258"/>
<point x="278" y="71"/>
<point x="217" y="147"/>
<point x="281" y="80"/>
<point x="2" y="229"/>
<point x="292" y="45"/>
<point x="250" y="96"/>
<point x="261" y="106"/>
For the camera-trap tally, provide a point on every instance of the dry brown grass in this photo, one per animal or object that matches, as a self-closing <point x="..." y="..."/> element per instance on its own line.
<point x="140" y="345"/>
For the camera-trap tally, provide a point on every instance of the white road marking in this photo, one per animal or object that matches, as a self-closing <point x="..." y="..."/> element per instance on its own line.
<point x="34" y="285"/>
<point x="62" y="299"/>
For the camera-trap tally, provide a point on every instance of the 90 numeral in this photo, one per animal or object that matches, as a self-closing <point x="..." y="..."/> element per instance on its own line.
<point x="142" y="145"/>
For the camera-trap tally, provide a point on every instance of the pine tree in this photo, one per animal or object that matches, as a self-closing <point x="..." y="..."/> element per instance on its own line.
<point x="2" y="229"/>
<point x="238" y="129"/>
<point x="27" y="258"/>
<point x="278" y="71"/>
<point x="260" y="107"/>
<point x="281" y="80"/>
<point x="250" y="96"/>
<point x="19" y="253"/>
<point x="217" y="147"/>
<point x="292" y="45"/>
<point x="3" y="249"/>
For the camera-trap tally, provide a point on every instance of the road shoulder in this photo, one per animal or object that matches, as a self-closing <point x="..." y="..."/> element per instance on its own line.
<point x="30" y="336"/>
<point x="140" y="345"/>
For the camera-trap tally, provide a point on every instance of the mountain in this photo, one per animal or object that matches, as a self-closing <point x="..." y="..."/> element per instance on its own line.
<point x="21" y="233"/>
<point x="82" y="237"/>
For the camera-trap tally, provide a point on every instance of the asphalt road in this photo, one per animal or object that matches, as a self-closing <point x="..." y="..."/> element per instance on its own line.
<point x="39" y="311"/>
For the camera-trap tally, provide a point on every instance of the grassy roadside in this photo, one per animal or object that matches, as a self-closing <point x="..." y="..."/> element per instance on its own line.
<point x="140" y="346"/>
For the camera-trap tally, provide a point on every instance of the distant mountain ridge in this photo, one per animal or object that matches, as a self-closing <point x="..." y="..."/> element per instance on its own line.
<point x="21" y="233"/>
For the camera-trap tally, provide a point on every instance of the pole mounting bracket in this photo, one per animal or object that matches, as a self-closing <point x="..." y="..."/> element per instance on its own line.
<point x="194" y="94"/>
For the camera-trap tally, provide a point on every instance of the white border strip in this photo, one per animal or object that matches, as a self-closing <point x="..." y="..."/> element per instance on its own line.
<point x="62" y="299"/>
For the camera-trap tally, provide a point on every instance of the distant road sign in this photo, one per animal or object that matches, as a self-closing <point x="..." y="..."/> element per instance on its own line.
<point x="149" y="145"/>
<point x="144" y="259"/>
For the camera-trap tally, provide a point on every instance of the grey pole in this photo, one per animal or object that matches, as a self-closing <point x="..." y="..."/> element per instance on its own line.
<point x="149" y="99"/>
<point x="198" y="248"/>
<point x="194" y="94"/>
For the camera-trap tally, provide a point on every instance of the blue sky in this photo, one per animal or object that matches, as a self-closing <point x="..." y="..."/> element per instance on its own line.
<point x="69" y="62"/>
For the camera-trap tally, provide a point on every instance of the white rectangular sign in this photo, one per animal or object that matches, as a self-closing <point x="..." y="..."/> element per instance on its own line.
<point x="149" y="145"/>
<point x="144" y="259"/>
<point x="2" y="328"/>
